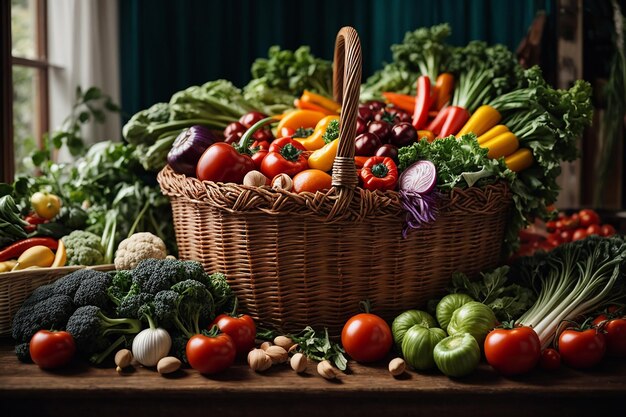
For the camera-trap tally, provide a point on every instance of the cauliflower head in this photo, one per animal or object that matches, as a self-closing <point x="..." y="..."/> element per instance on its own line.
<point x="83" y="248"/>
<point x="140" y="246"/>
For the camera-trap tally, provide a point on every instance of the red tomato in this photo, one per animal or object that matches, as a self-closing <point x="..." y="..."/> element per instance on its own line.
<point x="588" y="217"/>
<point x="615" y="334"/>
<point x="222" y="163"/>
<point x="566" y="236"/>
<point x="52" y="349"/>
<point x="579" y="234"/>
<point x="285" y="156"/>
<point x="209" y="355"/>
<point x="241" y="329"/>
<point x="513" y="351"/>
<point x="607" y="230"/>
<point x="594" y="229"/>
<point x="571" y="222"/>
<point x="550" y="360"/>
<point x="582" y="349"/>
<point x="366" y="337"/>
<point x="554" y="239"/>
<point x="551" y="226"/>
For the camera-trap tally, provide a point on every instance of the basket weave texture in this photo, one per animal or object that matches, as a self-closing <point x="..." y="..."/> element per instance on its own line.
<point x="16" y="287"/>
<point x="310" y="258"/>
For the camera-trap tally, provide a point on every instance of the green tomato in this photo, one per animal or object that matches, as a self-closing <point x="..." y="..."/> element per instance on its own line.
<point x="474" y="318"/>
<point x="447" y="305"/>
<point x="457" y="355"/>
<point x="418" y="345"/>
<point x="408" y="319"/>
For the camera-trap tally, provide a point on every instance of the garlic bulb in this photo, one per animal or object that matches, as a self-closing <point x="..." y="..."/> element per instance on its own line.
<point x="151" y="345"/>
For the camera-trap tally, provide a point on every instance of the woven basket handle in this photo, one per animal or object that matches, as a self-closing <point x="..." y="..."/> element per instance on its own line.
<point x="346" y="88"/>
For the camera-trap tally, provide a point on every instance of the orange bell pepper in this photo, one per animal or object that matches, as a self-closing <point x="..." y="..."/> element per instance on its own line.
<point x="316" y="140"/>
<point x="299" y="118"/>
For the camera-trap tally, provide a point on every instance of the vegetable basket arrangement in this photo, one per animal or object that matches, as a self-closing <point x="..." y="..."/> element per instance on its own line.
<point x="309" y="258"/>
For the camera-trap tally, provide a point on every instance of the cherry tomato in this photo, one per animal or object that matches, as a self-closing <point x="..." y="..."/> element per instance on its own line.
<point x="513" y="351"/>
<point x="52" y="349"/>
<point x="210" y="354"/>
<point x="588" y="217"/>
<point x="567" y="235"/>
<point x="551" y="226"/>
<point x="615" y="333"/>
<point x="311" y="180"/>
<point x="582" y="349"/>
<point x="550" y="359"/>
<point x="570" y="223"/>
<point x="240" y="328"/>
<point x="607" y="230"/>
<point x="554" y="239"/>
<point x="594" y="229"/>
<point x="235" y="128"/>
<point x="366" y="337"/>
<point x="251" y="118"/>
<point x="579" y="234"/>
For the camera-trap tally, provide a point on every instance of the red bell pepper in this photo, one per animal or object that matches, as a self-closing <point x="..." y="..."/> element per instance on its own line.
<point x="379" y="173"/>
<point x="455" y="120"/>
<point x="285" y="156"/>
<point x="422" y="102"/>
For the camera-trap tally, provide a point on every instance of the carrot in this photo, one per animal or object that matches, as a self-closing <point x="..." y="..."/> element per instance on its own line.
<point x="402" y="101"/>
<point x="456" y="118"/>
<point x="328" y="104"/>
<point x="307" y="105"/>
<point x="444" y="86"/>
<point x="430" y="136"/>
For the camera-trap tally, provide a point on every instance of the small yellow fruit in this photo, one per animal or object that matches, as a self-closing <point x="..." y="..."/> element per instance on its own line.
<point x="40" y="255"/>
<point x="46" y="205"/>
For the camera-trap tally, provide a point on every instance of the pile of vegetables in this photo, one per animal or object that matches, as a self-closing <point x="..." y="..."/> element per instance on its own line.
<point x="552" y="305"/>
<point x="157" y="307"/>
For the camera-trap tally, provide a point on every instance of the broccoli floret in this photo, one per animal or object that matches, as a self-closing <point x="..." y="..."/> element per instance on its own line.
<point x="223" y="295"/>
<point x="120" y="286"/>
<point x="154" y="275"/>
<point x="83" y="248"/>
<point x="22" y="351"/>
<point x="50" y="313"/>
<point x="179" y="346"/>
<point x="70" y="283"/>
<point x="91" y="329"/>
<point x="188" y="306"/>
<point x="40" y="293"/>
<point x="93" y="291"/>
<point x="130" y="305"/>
<point x="194" y="270"/>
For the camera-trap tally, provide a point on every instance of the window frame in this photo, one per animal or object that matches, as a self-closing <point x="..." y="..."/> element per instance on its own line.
<point x="41" y="65"/>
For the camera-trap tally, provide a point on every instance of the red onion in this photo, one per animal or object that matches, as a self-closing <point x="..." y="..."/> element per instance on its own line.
<point x="187" y="149"/>
<point x="416" y="197"/>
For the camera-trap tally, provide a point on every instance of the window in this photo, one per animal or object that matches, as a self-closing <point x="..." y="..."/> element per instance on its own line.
<point x="28" y="91"/>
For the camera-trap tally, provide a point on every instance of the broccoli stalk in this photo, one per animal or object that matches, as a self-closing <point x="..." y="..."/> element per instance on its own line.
<point x="90" y="328"/>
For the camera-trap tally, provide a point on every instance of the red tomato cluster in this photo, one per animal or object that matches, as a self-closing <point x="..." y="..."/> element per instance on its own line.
<point x="564" y="229"/>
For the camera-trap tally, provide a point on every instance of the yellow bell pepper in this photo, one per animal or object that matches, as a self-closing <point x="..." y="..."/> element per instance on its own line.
<point x="299" y="119"/>
<point x="316" y="140"/>
<point x="324" y="158"/>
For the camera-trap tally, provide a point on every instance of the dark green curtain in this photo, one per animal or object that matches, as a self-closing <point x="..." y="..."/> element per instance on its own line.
<point x="167" y="45"/>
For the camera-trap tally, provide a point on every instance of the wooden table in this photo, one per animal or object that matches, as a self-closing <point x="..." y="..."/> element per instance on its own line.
<point x="365" y="390"/>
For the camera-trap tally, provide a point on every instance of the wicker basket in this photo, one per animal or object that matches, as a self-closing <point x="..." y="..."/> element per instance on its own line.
<point x="310" y="258"/>
<point x="15" y="287"/>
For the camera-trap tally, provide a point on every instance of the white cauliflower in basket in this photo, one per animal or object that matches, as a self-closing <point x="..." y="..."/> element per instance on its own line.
<point x="138" y="247"/>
